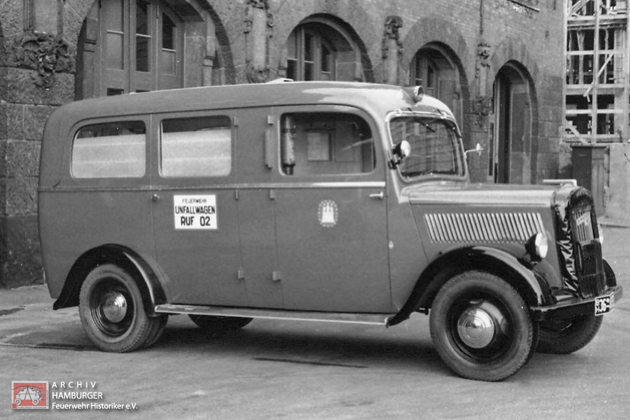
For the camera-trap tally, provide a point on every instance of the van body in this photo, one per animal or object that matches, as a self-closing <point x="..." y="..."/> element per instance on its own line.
<point x="344" y="202"/>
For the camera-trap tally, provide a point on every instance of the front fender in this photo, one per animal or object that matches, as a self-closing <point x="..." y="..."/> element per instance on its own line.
<point x="532" y="284"/>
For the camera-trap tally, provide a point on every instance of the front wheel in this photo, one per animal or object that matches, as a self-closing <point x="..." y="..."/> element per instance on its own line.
<point x="568" y="335"/>
<point x="481" y="327"/>
<point x="111" y="311"/>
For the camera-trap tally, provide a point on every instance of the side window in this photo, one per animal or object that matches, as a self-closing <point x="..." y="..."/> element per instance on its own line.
<point x="110" y="150"/>
<point x="326" y="144"/>
<point x="196" y="147"/>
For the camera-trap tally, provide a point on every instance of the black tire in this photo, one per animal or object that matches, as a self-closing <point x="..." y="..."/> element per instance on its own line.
<point x="111" y="310"/>
<point x="157" y="331"/>
<point x="215" y="325"/>
<point x="568" y="335"/>
<point x="481" y="327"/>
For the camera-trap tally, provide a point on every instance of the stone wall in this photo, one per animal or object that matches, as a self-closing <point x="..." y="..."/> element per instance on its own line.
<point x="39" y="40"/>
<point x="618" y="191"/>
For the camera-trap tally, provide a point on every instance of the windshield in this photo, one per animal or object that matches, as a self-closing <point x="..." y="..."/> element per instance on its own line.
<point x="435" y="146"/>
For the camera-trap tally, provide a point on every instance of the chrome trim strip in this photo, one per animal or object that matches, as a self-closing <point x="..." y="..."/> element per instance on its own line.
<point x="243" y="186"/>
<point x="370" y="319"/>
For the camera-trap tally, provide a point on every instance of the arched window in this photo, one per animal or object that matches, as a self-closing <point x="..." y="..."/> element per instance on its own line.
<point x="320" y="49"/>
<point x="310" y="56"/>
<point x="139" y="47"/>
<point x="424" y="74"/>
<point x="435" y="72"/>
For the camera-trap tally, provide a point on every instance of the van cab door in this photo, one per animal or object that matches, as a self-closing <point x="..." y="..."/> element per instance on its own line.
<point x="331" y="212"/>
<point x="195" y="208"/>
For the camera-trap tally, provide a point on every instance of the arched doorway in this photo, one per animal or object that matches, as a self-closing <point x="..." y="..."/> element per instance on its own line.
<point x="139" y="45"/>
<point x="130" y="46"/>
<point x="433" y="69"/>
<point x="511" y="128"/>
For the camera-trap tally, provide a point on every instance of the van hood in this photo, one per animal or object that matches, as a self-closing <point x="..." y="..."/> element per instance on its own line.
<point x="481" y="194"/>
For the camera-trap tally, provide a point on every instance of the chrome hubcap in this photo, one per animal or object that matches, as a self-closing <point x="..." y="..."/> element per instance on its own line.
<point x="477" y="327"/>
<point x="114" y="307"/>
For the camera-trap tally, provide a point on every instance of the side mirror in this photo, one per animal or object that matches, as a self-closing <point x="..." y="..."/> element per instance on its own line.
<point x="399" y="152"/>
<point x="477" y="149"/>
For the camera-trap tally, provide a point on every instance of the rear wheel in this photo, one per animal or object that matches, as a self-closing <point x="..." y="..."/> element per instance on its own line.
<point x="111" y="310"/>
<point x="215" y="325"/>
<point x="568" y="335"/>
<point x="481" y="327"/>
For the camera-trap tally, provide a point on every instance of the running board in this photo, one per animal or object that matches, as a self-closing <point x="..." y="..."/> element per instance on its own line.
<point x="371" y="319"/>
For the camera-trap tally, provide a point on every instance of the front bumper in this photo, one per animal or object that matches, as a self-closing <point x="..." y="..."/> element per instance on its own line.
<point x="572" y="307"/>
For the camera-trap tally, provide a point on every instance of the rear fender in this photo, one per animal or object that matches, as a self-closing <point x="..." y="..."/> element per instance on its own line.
<point x="150" y="288"/>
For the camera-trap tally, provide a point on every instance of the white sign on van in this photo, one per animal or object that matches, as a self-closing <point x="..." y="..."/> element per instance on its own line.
<point x="195" y="211"/>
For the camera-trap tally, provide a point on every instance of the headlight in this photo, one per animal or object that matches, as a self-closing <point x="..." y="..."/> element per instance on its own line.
<point x="538" y="246"/>
<point x="600" y="230"/>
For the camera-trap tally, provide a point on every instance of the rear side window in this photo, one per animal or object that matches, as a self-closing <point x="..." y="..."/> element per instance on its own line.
<point x="110" y="150"/>
<point x="196" y="147"/>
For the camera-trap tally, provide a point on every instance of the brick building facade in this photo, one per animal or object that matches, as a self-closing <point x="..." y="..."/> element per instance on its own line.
<point x="497" y="63"/>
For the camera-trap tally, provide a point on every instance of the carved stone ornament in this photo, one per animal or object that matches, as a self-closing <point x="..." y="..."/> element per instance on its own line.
<point x="392" y="27"/>
<point x="483" y="54"/>
<point x="259" y="4"/>
<point x="256" y="75"/>
<point x="392" y="32"/>
<point x="44" y="53"/>
<point x="482" y="107"/>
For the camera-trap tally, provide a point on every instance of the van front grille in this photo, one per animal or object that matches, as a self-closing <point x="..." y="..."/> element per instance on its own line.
<point x="587" y="250"/>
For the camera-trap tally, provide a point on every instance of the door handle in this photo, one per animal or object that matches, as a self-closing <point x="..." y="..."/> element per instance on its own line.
<point x="380" y="195"/>
<point x="155" y="197"/>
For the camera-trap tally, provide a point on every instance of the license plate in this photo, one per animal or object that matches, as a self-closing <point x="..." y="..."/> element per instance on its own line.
<point x="604" y="304"/>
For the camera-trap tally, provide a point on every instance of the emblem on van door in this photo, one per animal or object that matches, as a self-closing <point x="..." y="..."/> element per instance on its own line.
<point x="327" y="213"/>
<point x="195" y="211"/>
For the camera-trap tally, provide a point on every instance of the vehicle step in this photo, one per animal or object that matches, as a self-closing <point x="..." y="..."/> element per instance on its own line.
<point x="351" y="318"/>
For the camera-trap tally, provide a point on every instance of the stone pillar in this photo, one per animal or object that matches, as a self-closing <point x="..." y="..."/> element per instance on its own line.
<point x="482" y="103"/>
<point x="258" y="24"/>
<point x="35" y="77"/>
<point x="210" y="52"/>
<point x="392" y="49"/>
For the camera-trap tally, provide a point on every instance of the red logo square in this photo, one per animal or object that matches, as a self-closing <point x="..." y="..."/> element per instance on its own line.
<point x="29" y="395"/>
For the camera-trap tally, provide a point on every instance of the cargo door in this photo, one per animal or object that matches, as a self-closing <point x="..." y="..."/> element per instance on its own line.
<point x="331" y="213"/>
<point x="195" y="209"/>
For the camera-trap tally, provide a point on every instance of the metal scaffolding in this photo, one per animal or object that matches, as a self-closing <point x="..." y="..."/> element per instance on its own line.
<point x="597" y="72"/>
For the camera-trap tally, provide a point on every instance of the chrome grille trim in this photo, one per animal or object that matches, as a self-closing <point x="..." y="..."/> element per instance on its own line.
<point x="483" y="227"/>
<point x="583" y="220"/>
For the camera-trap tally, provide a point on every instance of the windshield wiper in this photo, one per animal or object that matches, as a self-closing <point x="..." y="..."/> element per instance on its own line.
<point x="419" y="120"/>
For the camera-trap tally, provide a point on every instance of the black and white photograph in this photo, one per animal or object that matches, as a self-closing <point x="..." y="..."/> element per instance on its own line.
<point x="314" y="209"/>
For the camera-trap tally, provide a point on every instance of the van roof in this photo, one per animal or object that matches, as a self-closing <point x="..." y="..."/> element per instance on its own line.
<point x="376" y="98"/>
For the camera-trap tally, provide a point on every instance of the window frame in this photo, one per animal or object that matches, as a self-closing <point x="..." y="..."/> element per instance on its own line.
<point x="113" y="179"/>
<point x="376" y="167"/>
<point x="113" y="81"/>
<point x="318" y="43"/>
<point x="159" y="124"/>
<point x="424" y="73"/>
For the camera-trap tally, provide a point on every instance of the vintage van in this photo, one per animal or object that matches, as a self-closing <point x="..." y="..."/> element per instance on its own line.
<point x="344" y="202"/>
